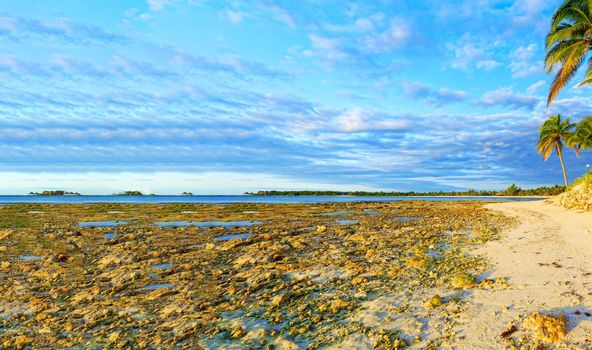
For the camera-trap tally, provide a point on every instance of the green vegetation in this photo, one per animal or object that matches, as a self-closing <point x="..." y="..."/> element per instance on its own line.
<point x="552" y="135"/>
<point x="568" y="44"/>
<point x="54" y="193"/>
<point x="582" y="137"/>
<point x="586" y="180"/>
<point x="513" y="190"/>
<point x="130" y="193"/>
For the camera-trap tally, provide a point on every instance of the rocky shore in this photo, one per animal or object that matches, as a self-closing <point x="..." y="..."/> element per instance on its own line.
<point x="350" y="275"/>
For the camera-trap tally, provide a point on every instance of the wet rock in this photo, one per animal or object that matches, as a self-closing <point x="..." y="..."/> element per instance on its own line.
<point x="285" y="285"/>
<point x="20" y="342"/>
<point x="433" y="302"/>
<point x="285" y="344"/>
<point x="108" y="261"/>
<point x="238" y="332"/>
<point x="463" y="281"/>
<point x="338" y="305"/>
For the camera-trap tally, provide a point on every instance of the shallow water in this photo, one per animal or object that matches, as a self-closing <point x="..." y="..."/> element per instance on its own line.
<point x="226" y="224"/>
<point x="231" y="237"/>
<point x="29" y="258"/>
<point x="161" y="266"/>
<point x="406" y="218"/>
<point x="347" y="222"/>
<point x="110" y="235"/>
<point x="157" y="286"/>
<point x="207" y="224"/>
<point x="172" y="224"/>
<point x="92" y="224"/>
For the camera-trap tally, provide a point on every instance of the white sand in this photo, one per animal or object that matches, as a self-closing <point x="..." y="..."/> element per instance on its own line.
<point x="548" y="261"/>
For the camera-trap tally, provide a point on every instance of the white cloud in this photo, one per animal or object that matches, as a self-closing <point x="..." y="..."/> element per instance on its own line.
<point x="203" y="183"/>
<point x="469" y="56"/>
<point x="324" y="43"/>
<point x="359" y="120"/>
<point x="157" y="5"/>
<point x="426" y="93"/>
<point x="522" y="62"/>
<point x="506" y="97"/>
<point x="233" y="16"/>
<point x="528" y="11"/>
<point x="360" y="25"/>
<point x="327" y="47"/>
<point x="398" y="33"/>
<point x="487" y="64"/>
<point x="535" y="87"/>
<point x="281" y="15"/>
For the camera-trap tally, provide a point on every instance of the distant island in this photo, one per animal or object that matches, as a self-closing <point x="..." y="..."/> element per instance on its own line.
<point x="512" y="190"/>
<point x="54" y="193"/>
<point x="132" y="193"/>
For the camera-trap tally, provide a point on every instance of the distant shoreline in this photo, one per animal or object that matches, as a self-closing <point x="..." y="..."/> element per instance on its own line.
<point x="279" y="195"/>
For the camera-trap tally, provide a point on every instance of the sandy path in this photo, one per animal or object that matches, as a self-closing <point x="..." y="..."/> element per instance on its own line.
<point x="548" y="261"/>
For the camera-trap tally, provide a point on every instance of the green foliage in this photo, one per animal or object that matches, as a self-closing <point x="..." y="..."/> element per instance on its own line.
<point x="582" y="137"/>
<point x="512" y="190"/>
<point x="552" y="135"/>
<point x="54" y="193"/>
<point x="568" y="44"/>
<point x="130" y="193"/>
<point x="586" y="180"/>
<point x="540" y="191"/>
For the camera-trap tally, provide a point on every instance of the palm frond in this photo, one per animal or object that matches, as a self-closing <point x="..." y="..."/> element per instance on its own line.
<point x="568" y="43"/>
<point x="567" y="71"/>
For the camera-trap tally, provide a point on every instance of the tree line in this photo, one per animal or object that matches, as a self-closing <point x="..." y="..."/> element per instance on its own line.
<point x="512" y="190"/>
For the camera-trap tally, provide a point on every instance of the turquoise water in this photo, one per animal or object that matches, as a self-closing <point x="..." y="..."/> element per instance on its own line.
<point x="235" y="199"/>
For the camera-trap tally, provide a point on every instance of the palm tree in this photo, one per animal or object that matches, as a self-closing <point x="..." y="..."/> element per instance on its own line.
<point x="552" y="135"/>
<point x="568" y="43"/>
<point x="582" y="137"/>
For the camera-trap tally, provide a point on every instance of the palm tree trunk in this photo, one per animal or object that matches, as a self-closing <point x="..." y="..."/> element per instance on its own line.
<point x="562" y="167"/>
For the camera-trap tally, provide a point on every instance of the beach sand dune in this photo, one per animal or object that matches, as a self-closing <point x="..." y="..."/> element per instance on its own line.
<point x="547" y="258"/>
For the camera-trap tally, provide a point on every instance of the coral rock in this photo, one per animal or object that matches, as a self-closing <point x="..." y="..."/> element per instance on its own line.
<point x="547" y="328"/>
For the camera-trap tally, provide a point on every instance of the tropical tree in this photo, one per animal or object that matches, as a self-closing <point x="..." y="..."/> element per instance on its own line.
<point x="582" y="137"/>
<point x="568" y="43"/>
<point x="553" y="134"/>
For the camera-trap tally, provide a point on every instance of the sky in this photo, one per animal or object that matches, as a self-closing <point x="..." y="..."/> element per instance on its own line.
<point x="223" y="97"/>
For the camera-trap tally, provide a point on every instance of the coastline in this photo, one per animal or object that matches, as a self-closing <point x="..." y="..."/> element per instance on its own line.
<point x="416" y="274"/>
<point x="546" y="259"/>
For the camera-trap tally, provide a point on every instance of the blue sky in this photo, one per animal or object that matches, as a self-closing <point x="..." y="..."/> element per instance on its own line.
<point x="230" y="96"/>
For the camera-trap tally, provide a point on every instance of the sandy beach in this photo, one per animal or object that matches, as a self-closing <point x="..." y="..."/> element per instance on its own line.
<point x="546" y="259"/>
